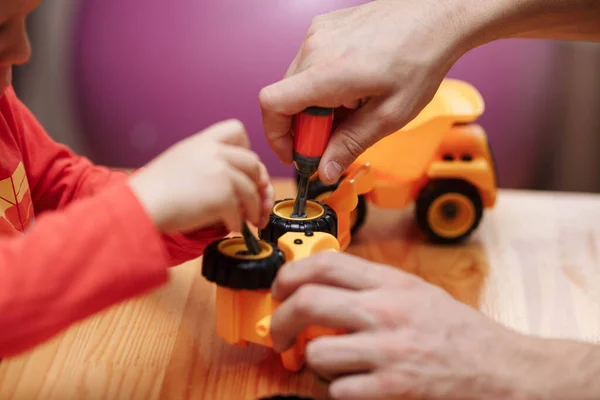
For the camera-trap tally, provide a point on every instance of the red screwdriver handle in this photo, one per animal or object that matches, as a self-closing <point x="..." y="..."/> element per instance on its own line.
<point x="312" y="131"/>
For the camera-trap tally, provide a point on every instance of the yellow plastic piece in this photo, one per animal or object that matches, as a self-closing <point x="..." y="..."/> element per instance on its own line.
<point x="450" y="228"/>
<point x="401" y="164"/>
<point x="236" y="248"/>
<point x="390" y="174"/>
<point x="344" y="199"/>
<point x="244" y="316"/>
<point x="285" y="209"/>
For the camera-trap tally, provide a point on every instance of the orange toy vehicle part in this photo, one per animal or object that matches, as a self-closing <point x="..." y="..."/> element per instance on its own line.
<point x="440" y="161"/>
<point x="243" y="299"/>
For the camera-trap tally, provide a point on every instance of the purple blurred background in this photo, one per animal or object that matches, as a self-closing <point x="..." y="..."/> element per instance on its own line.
<point x="147" y="75"/>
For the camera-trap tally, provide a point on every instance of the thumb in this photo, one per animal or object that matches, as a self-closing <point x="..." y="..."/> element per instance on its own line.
<point x="376" y="119"/>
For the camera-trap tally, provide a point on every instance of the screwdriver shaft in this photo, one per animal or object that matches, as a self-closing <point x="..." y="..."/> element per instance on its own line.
<point x="250" y="239"/>
<point x="300" y="203"/>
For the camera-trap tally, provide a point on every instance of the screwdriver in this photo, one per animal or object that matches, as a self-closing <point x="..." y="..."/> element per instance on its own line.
<point x="250" y="240"/>
<point x="312" y="130"/>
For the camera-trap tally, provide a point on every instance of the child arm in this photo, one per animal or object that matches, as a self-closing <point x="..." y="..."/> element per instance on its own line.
<point x="70" y="264"/>
<point x="57" y="176"/>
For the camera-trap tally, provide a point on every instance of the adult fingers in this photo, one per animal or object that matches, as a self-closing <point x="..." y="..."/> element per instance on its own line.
<point x="367" y="386"/>
<point x="333" y="356"/>
<point x="335" y="269"/>
<point x="316" y="86"/>
<point x="316" y="305"/>
<point x="278" y="132"/>
<point x="231" y="131"/>
<point x="376" y="119"/>
<point x="322" y="86"/>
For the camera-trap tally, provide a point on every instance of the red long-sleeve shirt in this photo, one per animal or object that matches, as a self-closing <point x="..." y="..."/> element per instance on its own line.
<point x="91" y="244"/>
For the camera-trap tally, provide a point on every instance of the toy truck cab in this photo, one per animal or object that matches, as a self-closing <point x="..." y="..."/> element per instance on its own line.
<point x="441" y="161"/>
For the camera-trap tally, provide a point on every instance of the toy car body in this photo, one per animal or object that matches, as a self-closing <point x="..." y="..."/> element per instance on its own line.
<point x="441" y="161"/>
<point x="243" y="299"/>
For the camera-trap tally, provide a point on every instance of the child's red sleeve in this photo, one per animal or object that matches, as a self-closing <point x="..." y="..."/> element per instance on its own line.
<point x="70" y="264"/>
<point x="57" y="176"/>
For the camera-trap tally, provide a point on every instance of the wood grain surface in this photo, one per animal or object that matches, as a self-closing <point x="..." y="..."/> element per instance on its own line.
<point x="534" y="265"/>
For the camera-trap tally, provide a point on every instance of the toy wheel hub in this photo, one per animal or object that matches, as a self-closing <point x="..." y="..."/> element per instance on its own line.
<point x="285" y="209"/>
<point x="450" y="210"/>
<point x="451" y="214"/>
<point x="236" y="248"/>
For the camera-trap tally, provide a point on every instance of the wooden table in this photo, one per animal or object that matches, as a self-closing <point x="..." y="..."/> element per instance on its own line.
<point x="534" y="265"/>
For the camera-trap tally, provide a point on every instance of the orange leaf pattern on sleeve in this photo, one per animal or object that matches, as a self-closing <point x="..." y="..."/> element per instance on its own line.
<point x="16" y="208"/>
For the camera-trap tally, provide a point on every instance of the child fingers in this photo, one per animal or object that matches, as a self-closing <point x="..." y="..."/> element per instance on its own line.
<point x="267" y="195"/>
<point x="231" y="131"/>
<point x="247" y="162"/>
<point x="247" y="194"/>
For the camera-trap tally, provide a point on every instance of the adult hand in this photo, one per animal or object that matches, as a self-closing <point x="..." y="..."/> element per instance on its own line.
<point x="383" y="60"/>
<point x="209" y="178"/>
<point x="407" y="339"/>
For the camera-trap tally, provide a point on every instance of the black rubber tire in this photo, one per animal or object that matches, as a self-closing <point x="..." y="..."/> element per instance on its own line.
<point x="317" y="188"/>
<point x="278" y="226"/>
<point x="437" y="188"/>
<point x="287" y="397"/>
<point x="235" y="273"/>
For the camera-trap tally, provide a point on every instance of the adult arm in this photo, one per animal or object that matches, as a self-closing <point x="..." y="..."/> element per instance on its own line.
<point x="546" y="19"/>
<point x="386" y="59"/>
<point x="409" y="339"/>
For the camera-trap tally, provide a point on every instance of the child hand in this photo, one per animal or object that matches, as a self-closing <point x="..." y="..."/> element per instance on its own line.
<point x="209" y="178"/>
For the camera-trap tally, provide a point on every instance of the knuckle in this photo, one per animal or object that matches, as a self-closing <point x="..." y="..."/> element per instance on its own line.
<point x="267" y="98"/>
<point x="388" y="314"/>
<point x="311" y="44"/>
<point x="353" y="142"/>
<point x="313" y="353"/>
<point x="315" y="25"/>
<point x="393" y="350"/>
<point x="285" y="275"/>
<point x="391" y="116"/>
<point x="323" y="261"/>
<point x="304" y="301"/>
<point x="390" y="382"/>
<point x="221" y="168"/>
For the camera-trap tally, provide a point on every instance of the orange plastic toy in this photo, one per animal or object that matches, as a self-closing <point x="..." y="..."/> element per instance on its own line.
<point x="243" y="300"/>
<point x="441" y="161"/>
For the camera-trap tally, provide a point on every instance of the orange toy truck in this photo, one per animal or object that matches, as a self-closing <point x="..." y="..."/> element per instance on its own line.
<point x="243" y="299"/>
<point x="441" y="161"/>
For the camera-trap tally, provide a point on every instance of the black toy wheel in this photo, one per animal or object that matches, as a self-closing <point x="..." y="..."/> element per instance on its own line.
<point x="228" y="263"/>
<point x="287" y="397"/>
<point x="449" y="210"/>
<point x="319" y="191"/>
<point x="320" y="218"/>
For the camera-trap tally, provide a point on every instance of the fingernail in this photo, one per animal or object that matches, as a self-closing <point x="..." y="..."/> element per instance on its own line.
<point x="333" y="171"/>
